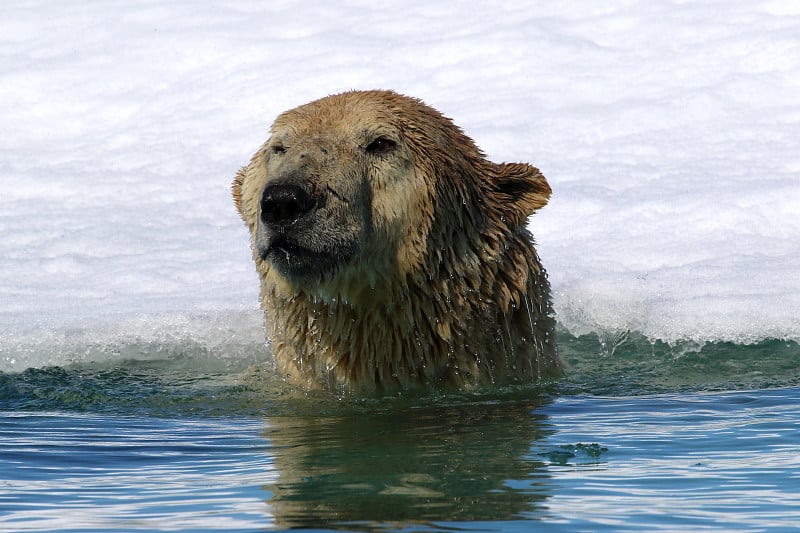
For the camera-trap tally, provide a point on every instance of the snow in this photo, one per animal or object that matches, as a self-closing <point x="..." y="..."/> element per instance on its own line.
<point x="670" y="132"/>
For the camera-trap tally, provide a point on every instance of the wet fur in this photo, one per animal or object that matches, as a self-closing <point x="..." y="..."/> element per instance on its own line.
<point x="432" y="280"/>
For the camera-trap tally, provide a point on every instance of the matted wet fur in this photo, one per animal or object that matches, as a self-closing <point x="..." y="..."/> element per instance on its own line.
<point x="391" y="253"/>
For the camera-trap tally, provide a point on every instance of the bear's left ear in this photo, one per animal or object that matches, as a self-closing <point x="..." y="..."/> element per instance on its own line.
<point x="520" y="190"/>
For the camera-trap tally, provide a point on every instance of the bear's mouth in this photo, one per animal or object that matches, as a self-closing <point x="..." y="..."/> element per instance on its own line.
<point x="295" y="260"/>
<point x="282" y="250"/>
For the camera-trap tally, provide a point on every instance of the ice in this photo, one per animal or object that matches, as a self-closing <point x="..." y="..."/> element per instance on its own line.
<point x="669" y="132"/>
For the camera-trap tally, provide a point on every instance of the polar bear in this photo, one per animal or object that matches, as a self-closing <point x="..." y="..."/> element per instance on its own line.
<point x="391" y="253"/>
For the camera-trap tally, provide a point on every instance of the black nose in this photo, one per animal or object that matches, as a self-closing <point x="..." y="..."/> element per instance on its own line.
<point x="285" y="204"/>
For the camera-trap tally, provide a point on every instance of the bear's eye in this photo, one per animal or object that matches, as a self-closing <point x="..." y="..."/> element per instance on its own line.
<point x="381" y="146"/>
<point x="278" y="149"/>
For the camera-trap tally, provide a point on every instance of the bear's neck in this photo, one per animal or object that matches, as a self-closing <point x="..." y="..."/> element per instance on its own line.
<point x="378" y="338"/>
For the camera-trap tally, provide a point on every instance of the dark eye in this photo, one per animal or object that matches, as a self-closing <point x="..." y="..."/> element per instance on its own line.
<point x="278" y="149"/>
<point x="380" y="146"/>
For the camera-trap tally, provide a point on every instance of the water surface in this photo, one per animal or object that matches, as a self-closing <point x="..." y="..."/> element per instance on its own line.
<point x="637" y="437"/>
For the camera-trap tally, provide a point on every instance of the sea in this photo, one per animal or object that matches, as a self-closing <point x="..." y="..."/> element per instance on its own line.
<point x="643" y="437"/>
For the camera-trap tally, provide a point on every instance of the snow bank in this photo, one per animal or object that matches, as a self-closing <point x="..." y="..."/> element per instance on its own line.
<point x="668" y="131"/>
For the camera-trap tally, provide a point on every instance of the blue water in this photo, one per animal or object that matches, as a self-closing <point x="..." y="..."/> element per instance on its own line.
<point x="636" y="437"/>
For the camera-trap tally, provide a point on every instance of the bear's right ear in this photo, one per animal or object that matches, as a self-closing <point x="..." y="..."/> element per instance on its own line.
<point x="520" y="190"/>
<point x="244" y="186"/>
<point x="236" y="190"/>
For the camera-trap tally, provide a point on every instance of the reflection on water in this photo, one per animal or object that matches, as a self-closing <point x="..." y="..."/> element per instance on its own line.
<point x="315" y="462"/>
<point x="421" y="464"/>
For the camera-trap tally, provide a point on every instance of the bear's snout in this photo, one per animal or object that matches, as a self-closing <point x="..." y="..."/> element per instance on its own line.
<point x="284" y="204"/>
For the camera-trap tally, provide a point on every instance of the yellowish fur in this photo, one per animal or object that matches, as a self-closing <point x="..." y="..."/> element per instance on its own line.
<point x="438" y="284"/>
